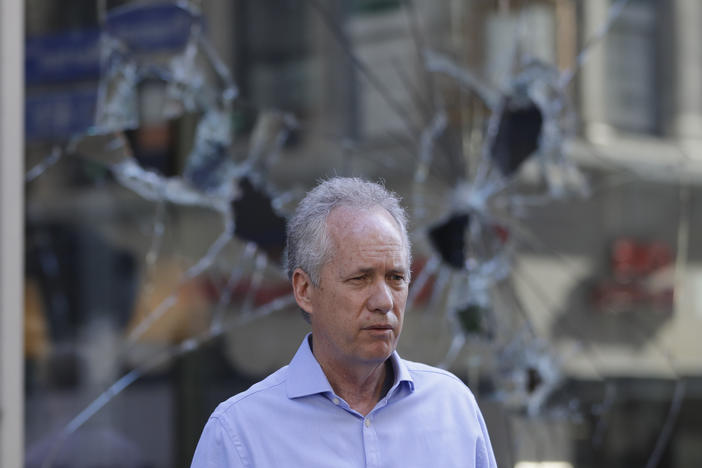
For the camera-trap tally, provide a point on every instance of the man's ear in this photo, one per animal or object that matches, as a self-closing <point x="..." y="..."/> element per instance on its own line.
<point x="303" y="289"/>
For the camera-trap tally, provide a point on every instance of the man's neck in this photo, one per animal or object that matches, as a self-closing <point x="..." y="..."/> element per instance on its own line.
<point x="361" y="386"/>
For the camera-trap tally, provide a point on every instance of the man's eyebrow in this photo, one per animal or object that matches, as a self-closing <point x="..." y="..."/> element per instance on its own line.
<point x="359" y="271"/>
<point x="401" y="271"/>
<point x="366" y="270"/>
<point x="362" y="270"/>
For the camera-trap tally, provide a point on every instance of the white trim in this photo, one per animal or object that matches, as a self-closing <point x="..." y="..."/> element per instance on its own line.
<point x="593" y="107"/>
<point x="11" y="233"/>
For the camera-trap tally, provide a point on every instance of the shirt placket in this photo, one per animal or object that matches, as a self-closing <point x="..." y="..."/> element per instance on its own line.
<point x="371" y="443"/>
<point x="371" y="446"/>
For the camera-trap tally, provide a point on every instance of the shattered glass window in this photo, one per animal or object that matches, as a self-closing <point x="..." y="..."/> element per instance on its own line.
<point x="553" y="215"/>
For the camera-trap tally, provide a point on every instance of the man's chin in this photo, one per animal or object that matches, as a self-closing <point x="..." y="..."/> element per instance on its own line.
<point x="379" y="352"/>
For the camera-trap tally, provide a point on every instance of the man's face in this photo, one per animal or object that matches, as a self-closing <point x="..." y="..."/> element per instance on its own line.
<point x="357" y="309"/>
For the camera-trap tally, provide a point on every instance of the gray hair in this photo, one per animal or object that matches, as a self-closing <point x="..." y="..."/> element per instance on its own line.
<point x="308" y="246"/>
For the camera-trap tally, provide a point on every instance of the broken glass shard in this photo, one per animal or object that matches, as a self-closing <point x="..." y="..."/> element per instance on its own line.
<point x="448" y="239"/>
<point x="45" y="164"/>
<point x="117" y="103"/>
<point x="186" y="83"/>
<point x="268" y="137"/>
<point x="473" y="318"/>
<point x="209" y="165"/>
<point x="256" y="221"/>
<point x="518" y="134"/>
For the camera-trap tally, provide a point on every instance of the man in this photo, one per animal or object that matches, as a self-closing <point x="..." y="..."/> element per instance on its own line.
<point x="347" y="399"/>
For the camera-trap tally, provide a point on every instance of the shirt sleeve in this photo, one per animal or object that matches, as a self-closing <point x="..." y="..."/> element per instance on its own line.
<point x="484" y="456"/>
<point x="217" y="448"/>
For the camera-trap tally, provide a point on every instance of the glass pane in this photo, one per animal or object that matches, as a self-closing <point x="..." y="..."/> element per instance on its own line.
<point x="167" y="143"/>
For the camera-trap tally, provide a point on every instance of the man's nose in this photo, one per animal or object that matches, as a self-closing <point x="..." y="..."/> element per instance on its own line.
<point x="380" y="299"/>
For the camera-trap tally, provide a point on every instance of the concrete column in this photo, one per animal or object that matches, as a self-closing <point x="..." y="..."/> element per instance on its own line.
<point x="11" y="233"/>
<point x="592" y="75"/>
<point x="685" y="118"/>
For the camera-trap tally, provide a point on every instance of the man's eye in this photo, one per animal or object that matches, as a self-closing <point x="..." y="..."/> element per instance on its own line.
<point x="397" y="277"/>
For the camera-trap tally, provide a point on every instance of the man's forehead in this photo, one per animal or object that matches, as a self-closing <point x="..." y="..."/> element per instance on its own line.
<point x="351" y="219"/>
<point x="367" y="233"/>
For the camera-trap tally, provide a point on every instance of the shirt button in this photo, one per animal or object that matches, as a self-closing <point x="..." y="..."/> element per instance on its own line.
<point x="367" y="422"/>
<point x="335" y="401"/>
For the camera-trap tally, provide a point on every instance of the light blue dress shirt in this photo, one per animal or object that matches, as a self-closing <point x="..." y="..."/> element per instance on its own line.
<point x="293" y="418"/>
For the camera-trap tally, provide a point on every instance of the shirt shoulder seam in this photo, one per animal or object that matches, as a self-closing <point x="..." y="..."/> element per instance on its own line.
<point x="238" y="446"/>
<point x="440" y="372"/>
<point x="248" y="393"/>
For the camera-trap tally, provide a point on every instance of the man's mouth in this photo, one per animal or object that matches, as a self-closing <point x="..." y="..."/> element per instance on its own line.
<point x="379" y="327"/>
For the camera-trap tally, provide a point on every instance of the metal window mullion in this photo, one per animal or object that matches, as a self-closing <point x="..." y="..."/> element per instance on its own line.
<point x="11" y="233"/>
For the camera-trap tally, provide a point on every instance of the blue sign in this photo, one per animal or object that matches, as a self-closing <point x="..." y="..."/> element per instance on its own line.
<point x="75" y="55"/>
<point x="58" y="115"/>
<point x="60" y="58"/>
<point x="151" y="28"/>
<point x="62" y="70"/>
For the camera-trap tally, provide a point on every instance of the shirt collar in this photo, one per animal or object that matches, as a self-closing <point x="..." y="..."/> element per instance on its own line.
<point x="402" y="373"/>
<point x="305" y="375"/>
